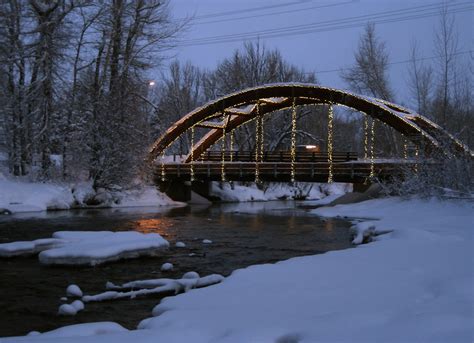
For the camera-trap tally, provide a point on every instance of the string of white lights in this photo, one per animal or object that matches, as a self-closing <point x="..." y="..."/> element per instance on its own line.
<point x="417" y="154"/>
<point x="372" y="149"/>
<point x="163" y="171"/>
<point x="330" y="142"/>
<point x="262" y="134"/>
<point x="231" y="145"/>
<point x="405" y="148"/>
<point x="293" y="139"/>
<point x="192" y="153"/>
<point x="366" y="136"/>
<point x="257" y="141"/>
<point x="223" y="155"/>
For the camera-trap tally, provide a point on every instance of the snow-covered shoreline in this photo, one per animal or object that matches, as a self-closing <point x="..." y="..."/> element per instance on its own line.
<point x="413" y="284"/>
<point x="19" y="196"/>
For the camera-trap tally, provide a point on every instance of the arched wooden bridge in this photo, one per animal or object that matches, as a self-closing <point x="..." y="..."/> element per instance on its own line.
<point x="220" y="117"/>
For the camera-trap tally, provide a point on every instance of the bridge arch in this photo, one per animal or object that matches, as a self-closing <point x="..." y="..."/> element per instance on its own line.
<point x="223" y="115"/>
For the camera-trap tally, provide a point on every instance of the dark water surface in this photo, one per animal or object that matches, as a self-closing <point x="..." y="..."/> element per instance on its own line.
<point x="242" y="235"/>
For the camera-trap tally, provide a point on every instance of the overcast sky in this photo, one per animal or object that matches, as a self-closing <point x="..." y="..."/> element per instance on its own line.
<point x="317" y="35"/>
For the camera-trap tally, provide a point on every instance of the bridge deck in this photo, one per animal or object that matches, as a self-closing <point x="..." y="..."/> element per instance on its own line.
<point x="355" y="171"/>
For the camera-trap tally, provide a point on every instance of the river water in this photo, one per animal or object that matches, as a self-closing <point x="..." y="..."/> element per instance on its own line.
<point x="242" y="235"/>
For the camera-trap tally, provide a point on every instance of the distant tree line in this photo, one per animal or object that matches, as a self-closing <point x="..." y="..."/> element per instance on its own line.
<point x="76" y="101"/>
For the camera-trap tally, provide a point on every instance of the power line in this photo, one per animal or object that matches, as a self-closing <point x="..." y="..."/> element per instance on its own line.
<point x="392" y="63"/>
<point x="415" y="12"/>
<point x="252" y="9"/>
<point x="330" y="25"/>
<point x="275" y="13"/>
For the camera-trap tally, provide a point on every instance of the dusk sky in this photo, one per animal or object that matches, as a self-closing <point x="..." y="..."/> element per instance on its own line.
<point x="326" y="46"/>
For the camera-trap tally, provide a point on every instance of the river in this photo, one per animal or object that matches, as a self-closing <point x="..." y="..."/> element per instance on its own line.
<point x="242" y="234"/>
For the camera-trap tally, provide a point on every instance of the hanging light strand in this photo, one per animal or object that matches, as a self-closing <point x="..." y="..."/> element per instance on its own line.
<point x="162" y="169"/>
<point x="417" y="154"/>
<point x="366" y="136"/>
<point x="293" y="139"/>
<point x="405" y="148"/>
<point x="257" y="142"/>
<point x="192" y="153"/>
<point x="330" y="142"/>
<point x="262" y="133"/>
<point x="231" y="145"/>
<point x="372" y="149"/>
<point x="223" y="155"/>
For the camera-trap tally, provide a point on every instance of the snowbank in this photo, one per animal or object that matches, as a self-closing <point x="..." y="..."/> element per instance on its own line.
<point x="413" y="284"/>
<point x="80" y="330"/>
<point x="88" y="247"/>
<point x="276" y="191"/>
<point x="17" y="196"/>
<point x="22" y="196"/>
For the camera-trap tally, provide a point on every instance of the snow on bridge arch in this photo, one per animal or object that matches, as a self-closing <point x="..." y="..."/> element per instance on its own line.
<point x="223" y="115"/>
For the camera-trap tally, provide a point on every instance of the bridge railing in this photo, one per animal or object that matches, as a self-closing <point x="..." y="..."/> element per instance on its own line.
<point x="276" y="171"/>
<point x="278" y="156"/>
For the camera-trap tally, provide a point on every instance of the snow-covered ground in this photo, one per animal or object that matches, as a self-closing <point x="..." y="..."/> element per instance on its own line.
<point x="413" y="284"/>
<point x="23" y="196"/>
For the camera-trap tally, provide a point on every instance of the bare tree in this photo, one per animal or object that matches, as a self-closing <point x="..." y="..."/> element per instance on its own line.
<point x="179" y="93"/>
<point x="446" y="43"/>
<point x="134" y="36"/>
<point x="420" y="81"/>
<point x="252" y="66"/>
<point x="369" y="76"/>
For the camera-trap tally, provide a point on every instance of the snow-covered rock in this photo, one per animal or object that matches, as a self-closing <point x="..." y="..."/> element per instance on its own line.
<point x="29" y="247"/>
<point x="206" y="241"/>
<point x="67" y="310"/>
<point x="166" y="267"/>
<point x="180" y="245"/>
<point x="88" y="247"/>
<point x="191" y="275"/>
<point x="131" y="290"/>
<point x="92" y="248"/>
<point x="73" y="291"/>
<point x="78" y="305"/>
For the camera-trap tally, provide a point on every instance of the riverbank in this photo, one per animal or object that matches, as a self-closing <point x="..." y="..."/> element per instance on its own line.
<point x="20" y="195"/>
<point x="412" y="284"/>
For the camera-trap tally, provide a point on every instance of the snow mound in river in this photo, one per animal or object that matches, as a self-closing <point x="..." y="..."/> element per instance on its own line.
<point x="88" y="247"/>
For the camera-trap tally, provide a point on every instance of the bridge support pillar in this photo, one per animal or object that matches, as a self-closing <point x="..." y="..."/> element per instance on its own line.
<point x="177" y="190"/>
<point x="361" y="187"/>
